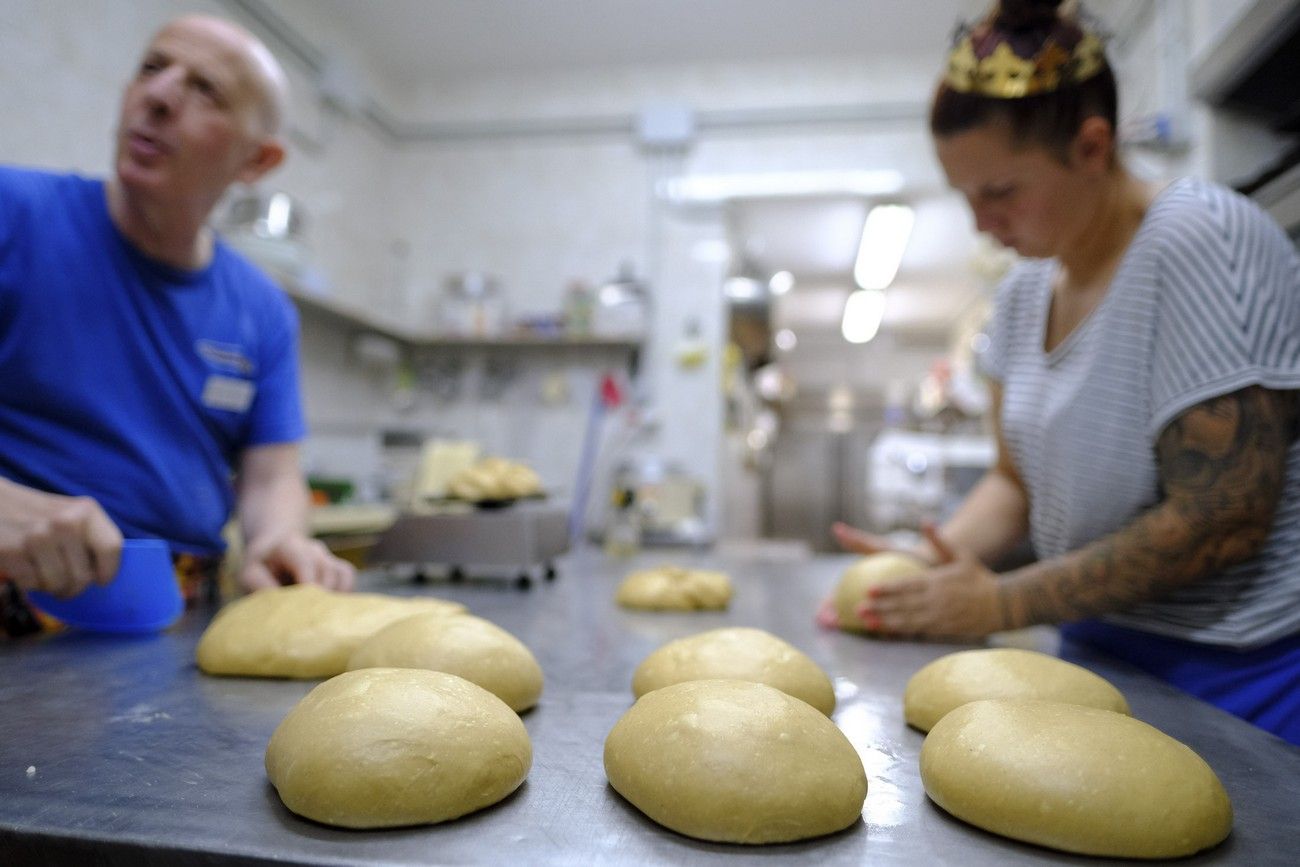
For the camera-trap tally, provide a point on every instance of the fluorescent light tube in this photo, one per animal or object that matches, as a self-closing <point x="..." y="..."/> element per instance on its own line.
<point x="884" y="238"/>
<point x="863" y="312"/>
<point x="720" y="188"/>
<point x="781" y="282"/>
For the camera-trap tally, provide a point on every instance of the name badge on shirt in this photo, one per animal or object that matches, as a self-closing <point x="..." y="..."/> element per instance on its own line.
<point x="225" y="392"/>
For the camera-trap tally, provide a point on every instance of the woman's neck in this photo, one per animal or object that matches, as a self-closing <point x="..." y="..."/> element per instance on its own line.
<point x="1120" y="206"/>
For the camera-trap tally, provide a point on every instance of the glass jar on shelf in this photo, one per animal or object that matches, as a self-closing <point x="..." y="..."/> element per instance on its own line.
<point x="472" y="306"/>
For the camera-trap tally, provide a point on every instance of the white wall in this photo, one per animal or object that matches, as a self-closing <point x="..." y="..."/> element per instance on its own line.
<point x="539" y="211"/>
<point x="535" y="210"/>
<point x="65" y="64"/>
<point x="1227" y="147"/>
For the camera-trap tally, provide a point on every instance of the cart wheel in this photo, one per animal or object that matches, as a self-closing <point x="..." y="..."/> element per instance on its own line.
<point x="550" y="572"/>
<point x="457" y="575"/>
<point x="524" y="581"/>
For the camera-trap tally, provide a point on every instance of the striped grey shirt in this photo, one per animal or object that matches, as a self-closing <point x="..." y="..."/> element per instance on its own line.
<point x="1206" y="301"/>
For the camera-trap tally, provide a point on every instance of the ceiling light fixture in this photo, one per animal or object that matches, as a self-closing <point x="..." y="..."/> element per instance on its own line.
<point x="741" y="288"/>
<point x="712" y="250"/>
<point x="863" y="312"/>
<point x="884" y="239"/>
<point x="706" y="189"/>
<point x="278" y="209"/>
<point x="781" y="282"/>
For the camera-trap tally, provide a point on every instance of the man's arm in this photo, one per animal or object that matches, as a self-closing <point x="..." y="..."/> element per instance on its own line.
<point x="272" y="508"/>
<point x="1221" y="470"/>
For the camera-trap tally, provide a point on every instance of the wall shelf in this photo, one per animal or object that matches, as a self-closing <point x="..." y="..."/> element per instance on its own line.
<point x="345" y="315"/>
<point x="342" y="314"/>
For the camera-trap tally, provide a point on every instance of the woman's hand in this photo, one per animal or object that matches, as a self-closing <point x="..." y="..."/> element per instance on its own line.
<point x="957" y="598"/>
<point x="859" y="542"/>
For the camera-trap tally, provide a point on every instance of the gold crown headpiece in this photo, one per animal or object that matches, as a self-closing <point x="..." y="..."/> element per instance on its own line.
<point x="985" y="61"/>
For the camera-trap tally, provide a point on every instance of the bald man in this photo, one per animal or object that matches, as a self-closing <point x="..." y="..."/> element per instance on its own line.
<point x="148" y="374"/>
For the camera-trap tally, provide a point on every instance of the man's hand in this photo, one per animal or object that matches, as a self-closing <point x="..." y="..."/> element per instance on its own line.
<point x="294" y="559"/>
<point x="54" y="543"/>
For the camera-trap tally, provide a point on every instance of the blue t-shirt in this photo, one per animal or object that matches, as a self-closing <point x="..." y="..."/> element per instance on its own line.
<point x="129" y="381"/>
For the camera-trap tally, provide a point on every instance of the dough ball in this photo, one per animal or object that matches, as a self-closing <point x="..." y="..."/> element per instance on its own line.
<point x="672" y="588"/>
<point x="383" y="747"/>
<point x="736" y="762"/>
<point x="969" y="675"/>
<point x="495" y="479"/>
<point x="868" y="572"/>
<point x="466" y="646"/>
<point x="1074" y="778"/>
<point x="301" y="631"/>
<point x="736" y="654"/>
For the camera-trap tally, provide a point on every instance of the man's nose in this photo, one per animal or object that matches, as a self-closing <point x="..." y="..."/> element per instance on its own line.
<point x="163" y="91"/>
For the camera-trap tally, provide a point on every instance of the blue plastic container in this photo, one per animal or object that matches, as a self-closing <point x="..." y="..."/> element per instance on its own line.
<point x="142" y="597"/>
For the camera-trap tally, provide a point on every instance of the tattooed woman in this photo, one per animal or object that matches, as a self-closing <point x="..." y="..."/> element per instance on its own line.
<point x="1145" y="361"/>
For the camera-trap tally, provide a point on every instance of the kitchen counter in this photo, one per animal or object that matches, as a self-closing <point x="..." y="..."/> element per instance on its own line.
<point x="352" y="518"/>
<point x="117" y="750"/>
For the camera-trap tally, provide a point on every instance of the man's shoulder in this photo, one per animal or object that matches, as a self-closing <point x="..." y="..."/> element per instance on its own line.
<point x="252" y="284"/>
<point x="231" y="262"/>
<point x="18" y="182"/>
<point x="42" y="204"/>
<point x="33" y="200"/>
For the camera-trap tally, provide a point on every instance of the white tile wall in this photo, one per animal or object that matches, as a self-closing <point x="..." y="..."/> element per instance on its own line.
<point x="536" y="212"/>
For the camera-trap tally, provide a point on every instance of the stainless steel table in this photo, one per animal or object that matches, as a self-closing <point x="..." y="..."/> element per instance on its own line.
<point x="117" y="750"/>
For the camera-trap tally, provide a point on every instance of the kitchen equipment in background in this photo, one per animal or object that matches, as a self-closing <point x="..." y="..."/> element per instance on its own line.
<point x="916" y="476"/>
<point x="399" y="457"/>
<point x="471" y="305"/>
<point x="623" y="527"/>
<point x="658" y="498"/>
<point x="441" y="461"/>
<point x="609" y="395"/>
<point x="622" y="307"/>
<point x="327" y="491"/>
<point x="269" y="227"/>
<point x="276" y="216"/>
<point x="516" y="541"/>
<point x="498" y="374"/>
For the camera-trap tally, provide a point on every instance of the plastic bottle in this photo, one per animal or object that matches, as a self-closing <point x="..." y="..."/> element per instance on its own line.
<point x="623" y="530"/>
<point x="578" y="303"/>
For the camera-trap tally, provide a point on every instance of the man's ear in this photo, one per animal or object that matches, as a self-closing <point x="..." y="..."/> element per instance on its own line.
<point x="269" y="153"/>
<point x="1094" y="145"/>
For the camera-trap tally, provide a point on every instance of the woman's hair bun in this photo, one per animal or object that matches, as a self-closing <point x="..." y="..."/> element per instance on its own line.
<point x="1026" y="15"/>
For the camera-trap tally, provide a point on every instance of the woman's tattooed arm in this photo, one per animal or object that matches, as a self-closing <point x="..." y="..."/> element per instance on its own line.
<point x="1221" y="469"/>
